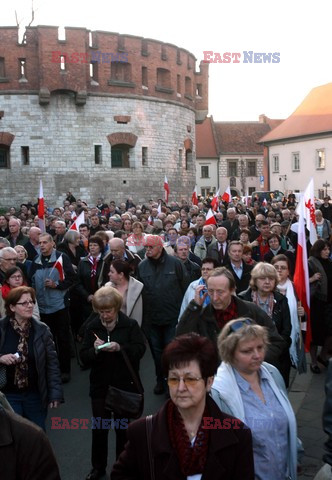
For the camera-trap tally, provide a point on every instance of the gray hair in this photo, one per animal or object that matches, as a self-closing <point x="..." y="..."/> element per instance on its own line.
<point x="71" y="236"/>
<point x="4" y="241"/>
<point x="7" y="250"/>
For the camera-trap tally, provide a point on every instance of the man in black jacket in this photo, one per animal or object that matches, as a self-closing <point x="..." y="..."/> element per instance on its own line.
<point x="241" y="271"/>
<point x="225" y="306"/>
<point x="165" y="281"/>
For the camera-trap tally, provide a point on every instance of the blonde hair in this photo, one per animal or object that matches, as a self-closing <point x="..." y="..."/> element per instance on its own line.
<point x="107" y="298"/>
<point x="262" y="270"/>
<point x="228" y="339"/>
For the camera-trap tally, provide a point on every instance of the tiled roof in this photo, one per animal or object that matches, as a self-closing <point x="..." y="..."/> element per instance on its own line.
<point x="240" y="137"/>
<point x="314" y="115"/>
<point x="205" y="144"/>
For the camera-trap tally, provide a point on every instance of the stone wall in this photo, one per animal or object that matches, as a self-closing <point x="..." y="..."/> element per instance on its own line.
<point x="61" y="138"/>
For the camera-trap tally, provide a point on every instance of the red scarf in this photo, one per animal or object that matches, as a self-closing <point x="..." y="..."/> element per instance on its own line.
<point x="224" y="316"/>
<point x="192" y="459"/>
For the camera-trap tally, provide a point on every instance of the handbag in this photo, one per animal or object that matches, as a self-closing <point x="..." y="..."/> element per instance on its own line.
<point x="3" y="376"/>
<point x="123" y="403"/>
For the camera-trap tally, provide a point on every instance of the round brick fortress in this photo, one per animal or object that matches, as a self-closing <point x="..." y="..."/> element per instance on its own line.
<point x="99" y="114"/>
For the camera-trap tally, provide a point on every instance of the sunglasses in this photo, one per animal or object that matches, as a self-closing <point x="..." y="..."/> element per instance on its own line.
<point x="239" y="324"/>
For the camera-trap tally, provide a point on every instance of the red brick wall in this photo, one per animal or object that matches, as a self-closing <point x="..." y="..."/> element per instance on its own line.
<point x="42" y="72"/>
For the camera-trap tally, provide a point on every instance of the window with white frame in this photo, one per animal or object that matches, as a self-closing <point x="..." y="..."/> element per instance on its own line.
<point x="232" y="168"/>
<point x="275" y="163"/>
<point x="296" y="161"/>
<point x="320" y="159"/>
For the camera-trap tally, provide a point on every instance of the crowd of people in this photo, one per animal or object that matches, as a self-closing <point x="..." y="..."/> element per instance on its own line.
<point x="197" y="293"/>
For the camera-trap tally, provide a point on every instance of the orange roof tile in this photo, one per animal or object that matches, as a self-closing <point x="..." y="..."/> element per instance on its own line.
<point x="205" y="144"/>
<point x="314" y="115"/>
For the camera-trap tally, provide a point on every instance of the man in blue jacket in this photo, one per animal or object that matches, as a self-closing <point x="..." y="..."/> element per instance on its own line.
<point x="52" y="277"/>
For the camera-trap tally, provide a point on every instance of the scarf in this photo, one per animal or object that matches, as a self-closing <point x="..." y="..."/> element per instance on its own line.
<point x="295" y="333"/>
<point x="192" y="459"/>
<point x="94" y="264"/>
<point x="270" y="302"/>
<point x="224" y="316"/>
<point x="21" y="379"/>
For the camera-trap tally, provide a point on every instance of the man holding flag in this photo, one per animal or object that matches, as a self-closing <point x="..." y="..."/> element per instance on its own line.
<point x="52" y="275"/>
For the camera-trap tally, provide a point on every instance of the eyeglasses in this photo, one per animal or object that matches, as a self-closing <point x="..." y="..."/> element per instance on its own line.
<point x="277" y="267"/>
<point x="26" y="304"/>
<point x="188" y="381"/>
<point x="238" y="325"/>
<point x="16" y="277"/>
<point x="9" y="259"/>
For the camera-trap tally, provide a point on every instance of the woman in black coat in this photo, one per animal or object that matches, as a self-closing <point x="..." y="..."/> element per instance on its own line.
<point x="262" y="292"/>
<point x="108" y="366"/>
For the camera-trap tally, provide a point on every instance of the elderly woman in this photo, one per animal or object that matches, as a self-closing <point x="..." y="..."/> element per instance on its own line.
<point x="262" y="291"/>
<point x="117" y="332"/>
<point x="255" y="393"/>
<point x="71" y="245"/>
<point x="28" y="352"/>
<point x="320" y="272"/>
<point x="190" y="437"/>
<point x="129" y="288"/>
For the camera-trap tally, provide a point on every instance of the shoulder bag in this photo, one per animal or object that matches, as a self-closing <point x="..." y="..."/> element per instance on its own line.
<point x="123" y="403"/>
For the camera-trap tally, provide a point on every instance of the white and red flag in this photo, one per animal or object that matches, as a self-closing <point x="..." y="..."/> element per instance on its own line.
<point x="79" y="220"/>
<point x="215" y="201"/>
<point x="194" y="196"/>
<point x="309" y="211"/>
<point x="166" y="188"/>
<point x="227" y="195"/>
<point x="73" y="215"/>
<point x="264" y="203"/>
<point x="41" y="208"/>
<point x="301" y="275"/>
<point x="210" y="218"/>
<point x="59" y="267"/>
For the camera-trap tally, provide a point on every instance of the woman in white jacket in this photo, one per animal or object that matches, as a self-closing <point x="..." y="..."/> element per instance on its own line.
<point x="254" y="392"/>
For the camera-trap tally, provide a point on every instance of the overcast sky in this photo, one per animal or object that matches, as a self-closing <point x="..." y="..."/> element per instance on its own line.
<point x="300" y="31"/>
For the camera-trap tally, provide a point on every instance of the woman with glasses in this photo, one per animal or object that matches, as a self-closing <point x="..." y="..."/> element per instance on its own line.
<point x="253" y="391"/>
<point x="27" y="350"/>
<point x="107" y="334"/>
<point x="262" y="292"/>
<point x="14" y="277"/>
<point x="190" y="437"/>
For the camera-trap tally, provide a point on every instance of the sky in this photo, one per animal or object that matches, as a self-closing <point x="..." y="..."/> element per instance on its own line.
<point x="299" y="31"/>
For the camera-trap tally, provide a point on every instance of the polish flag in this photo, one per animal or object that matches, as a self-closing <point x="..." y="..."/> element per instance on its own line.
<point x="227" y="195"/>
<point x="79" y="220"/>
<point x="41" y="208"/>
<point x="166" y="188"/>
<point x="73" y="215"/>
<point x="264" y="203"/>
<point x="215" y="201"/>
<point x="194" y="196"/>
<point x="301" y="275"/>
<point x="309" y="211"/>
<point x="210" y="218"/>
<point x="59" y="267"/>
